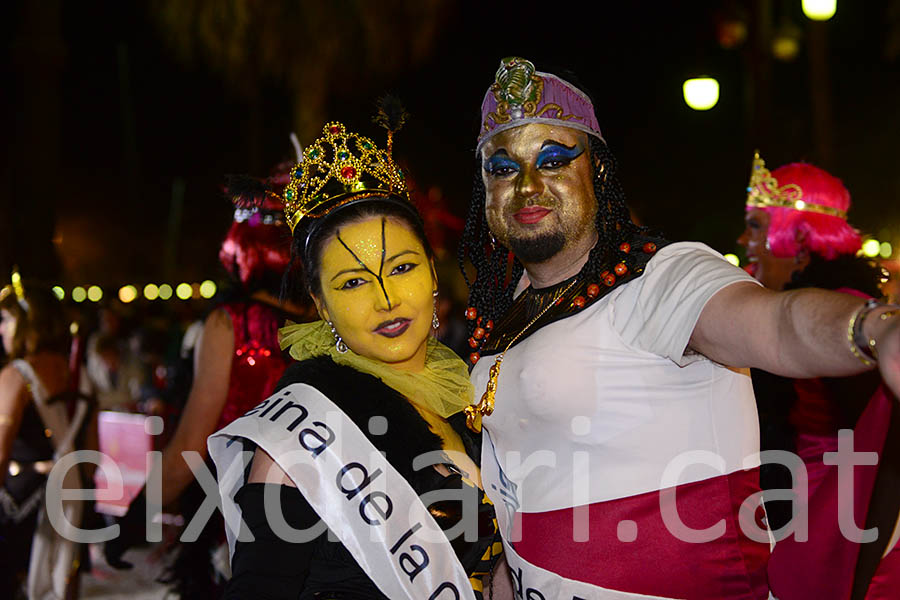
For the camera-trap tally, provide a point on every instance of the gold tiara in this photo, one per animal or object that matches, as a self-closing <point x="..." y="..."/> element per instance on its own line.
<point x="338" y="168"/>
<point x="15" y="287"/>
<point x="764" y="191"/>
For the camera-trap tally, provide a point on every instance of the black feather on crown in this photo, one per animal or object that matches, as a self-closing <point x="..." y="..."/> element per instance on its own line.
<point x="391" y="114"/>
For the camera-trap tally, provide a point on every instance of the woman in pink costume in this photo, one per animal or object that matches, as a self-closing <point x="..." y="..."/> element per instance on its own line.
<point x="237" y="362"/>
<point x="797" y="235"/>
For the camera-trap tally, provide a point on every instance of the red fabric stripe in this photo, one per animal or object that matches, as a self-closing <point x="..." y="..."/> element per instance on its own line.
<point x="885" y="585"/>
<point x="828" y="560"/>
<point x="657" y="562"/>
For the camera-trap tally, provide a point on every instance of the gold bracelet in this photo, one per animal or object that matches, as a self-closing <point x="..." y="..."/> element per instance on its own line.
<point x="857" y="318"/>
<point x="882" y="317"/>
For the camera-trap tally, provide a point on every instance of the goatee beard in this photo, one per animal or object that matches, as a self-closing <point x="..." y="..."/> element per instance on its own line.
<point x="537" y="249"/>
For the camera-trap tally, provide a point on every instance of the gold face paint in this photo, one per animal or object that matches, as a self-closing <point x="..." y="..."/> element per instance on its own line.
<point x="538" y="181"/>
<point x="377" y="289"/>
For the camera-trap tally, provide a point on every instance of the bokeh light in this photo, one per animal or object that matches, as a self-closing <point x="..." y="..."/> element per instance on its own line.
<point x="95" y="293"/>
<point x="127" y="293"/>
<point x="183" y="291"/>
<point x="871" y="247"/>
<point x="785" y="48"/>
<point x="151" y="291"/>
<point x="733" y="259"/>
<point x="886" y="250"/>
<point x="701" y="93"/>
<point x="59" y="291"/>
<point x="78" y="294"/>
<point x="208" y="289"/>
<point x="165" y="291"/>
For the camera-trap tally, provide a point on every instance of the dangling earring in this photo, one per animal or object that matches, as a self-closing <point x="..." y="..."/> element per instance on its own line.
<point x="435" y="323"/>
<point x="339" y="344"/>
<point x="493" y="241"/>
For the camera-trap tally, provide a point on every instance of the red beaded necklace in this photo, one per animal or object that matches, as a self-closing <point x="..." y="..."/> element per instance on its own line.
<point x="485" y="405"/>
<point x="482" y="331"/>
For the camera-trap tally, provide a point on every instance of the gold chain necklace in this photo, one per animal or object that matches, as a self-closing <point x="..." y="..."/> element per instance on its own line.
<point x="485" y="406"/>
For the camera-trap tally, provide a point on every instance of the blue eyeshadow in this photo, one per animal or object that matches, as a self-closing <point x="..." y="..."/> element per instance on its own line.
<point x="500" y="161"/>
<point x="558" y="152"/>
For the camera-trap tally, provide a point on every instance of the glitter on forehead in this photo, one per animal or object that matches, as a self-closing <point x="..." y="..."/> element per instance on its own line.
<point x="380" y="275"/>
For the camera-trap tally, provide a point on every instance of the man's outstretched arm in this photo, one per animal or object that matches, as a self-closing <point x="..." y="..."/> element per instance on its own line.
<point x="800" y="333"/>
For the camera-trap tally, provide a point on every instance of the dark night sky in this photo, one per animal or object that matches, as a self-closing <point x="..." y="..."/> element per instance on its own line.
<point x="684" y="171"/>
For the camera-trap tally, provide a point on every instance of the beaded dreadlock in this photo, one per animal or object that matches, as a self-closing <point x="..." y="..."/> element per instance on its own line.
<point x="498" y="270"/>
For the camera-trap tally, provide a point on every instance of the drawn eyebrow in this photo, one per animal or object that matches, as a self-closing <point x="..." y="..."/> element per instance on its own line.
<point x="399" y="254"/>
<point x="560" y="144"/>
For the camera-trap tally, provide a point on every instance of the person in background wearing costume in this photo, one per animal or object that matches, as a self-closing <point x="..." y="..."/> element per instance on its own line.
<point x="36" y="429"/>
<point x="602" y="358"/>
<point x="372" y="394"/>
<point x="797" y="236"/>
<point x="237" y="363"/>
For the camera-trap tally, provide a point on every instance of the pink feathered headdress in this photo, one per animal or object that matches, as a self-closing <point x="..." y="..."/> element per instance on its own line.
<point x="807" y="209"/>
<point x="257" y="246"/>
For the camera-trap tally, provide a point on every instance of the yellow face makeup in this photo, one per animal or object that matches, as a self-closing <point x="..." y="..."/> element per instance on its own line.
<point x="377" y="289"/>
<point x="538" y="181"/>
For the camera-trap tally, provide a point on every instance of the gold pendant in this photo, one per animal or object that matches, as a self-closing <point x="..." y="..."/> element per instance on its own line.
<point x="485" y="406"/>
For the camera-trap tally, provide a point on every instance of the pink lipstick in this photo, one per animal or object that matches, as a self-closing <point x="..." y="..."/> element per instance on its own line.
<point x="531" y="214"/>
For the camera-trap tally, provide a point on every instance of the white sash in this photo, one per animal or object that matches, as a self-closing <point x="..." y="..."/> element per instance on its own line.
<point x="531" y="582"/>
<point x="362" y="499"/>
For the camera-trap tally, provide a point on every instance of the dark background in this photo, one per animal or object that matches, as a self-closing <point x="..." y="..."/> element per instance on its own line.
<point x="120" y="118"/>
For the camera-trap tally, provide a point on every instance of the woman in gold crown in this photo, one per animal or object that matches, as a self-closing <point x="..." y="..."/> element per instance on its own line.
<point x="344" y="478"/>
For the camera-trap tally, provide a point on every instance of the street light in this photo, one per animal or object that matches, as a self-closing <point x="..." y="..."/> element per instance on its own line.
<point x="819" y="10"/>
<point x="701" y="93"/>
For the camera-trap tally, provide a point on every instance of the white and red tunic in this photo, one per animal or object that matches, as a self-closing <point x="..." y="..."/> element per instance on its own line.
<point x="607" y="411"/>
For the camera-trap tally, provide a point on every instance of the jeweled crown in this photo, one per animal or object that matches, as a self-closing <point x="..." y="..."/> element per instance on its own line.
<point x="521" y="95"/>
<point x="338" y="168"/>
<point x="764" y="191"/>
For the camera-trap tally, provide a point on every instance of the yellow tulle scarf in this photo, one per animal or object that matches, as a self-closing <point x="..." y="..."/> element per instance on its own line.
<point x="443" y="386"/>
